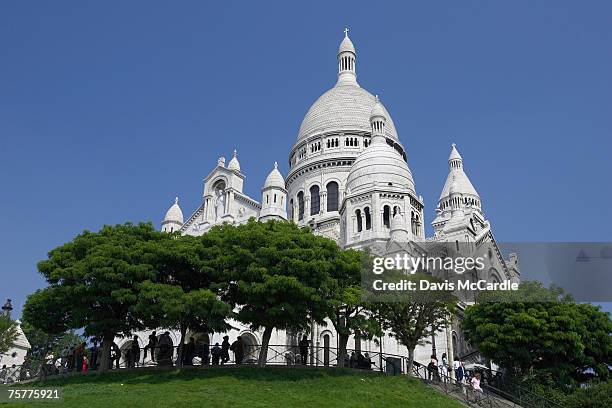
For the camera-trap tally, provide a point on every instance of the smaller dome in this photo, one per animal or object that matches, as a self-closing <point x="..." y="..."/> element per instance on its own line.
<point x="379" y="163"/>
<point x="234" y="164"/>
<point x="346" y="45"/>
<point x="174" y="213"/>
<point x="275" y="178"/>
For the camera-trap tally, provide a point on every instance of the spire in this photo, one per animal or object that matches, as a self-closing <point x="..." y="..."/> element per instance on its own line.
<point x="346" y="61"/>
<point x="176" y="200"/>
<point x="454" y="160"/>
<point x="378" y="120"/>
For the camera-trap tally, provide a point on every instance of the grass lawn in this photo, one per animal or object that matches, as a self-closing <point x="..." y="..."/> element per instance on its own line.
<point x="243" y="387"/>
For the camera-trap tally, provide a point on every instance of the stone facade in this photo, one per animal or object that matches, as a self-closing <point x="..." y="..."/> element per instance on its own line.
<point x="349" y="180"/>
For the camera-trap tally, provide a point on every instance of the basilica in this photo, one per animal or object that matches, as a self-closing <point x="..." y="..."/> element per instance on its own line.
<point x="349" y="180"/>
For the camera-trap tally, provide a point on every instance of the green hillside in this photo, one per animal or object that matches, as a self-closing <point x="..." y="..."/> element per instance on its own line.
<point x="245" y="387"/>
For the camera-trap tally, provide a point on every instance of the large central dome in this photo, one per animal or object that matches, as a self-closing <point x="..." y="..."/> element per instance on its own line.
<point x="346" y="106"/>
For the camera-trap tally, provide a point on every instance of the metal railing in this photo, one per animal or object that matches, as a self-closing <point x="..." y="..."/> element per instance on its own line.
<point x="496" y="392"/>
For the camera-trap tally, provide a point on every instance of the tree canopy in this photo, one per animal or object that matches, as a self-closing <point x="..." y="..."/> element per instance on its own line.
<point x="548" y="335"/>
<point x="279" y="276"/>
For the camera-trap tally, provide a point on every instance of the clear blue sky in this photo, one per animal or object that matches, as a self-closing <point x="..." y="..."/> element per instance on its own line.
<point x="110" y="109"/>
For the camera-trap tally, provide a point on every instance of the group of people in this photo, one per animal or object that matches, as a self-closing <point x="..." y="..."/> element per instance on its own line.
<point x="440" y="372"/>
<point x="358" y="360"/>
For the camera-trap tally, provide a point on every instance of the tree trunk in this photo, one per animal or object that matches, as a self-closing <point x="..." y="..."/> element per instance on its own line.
<point x="410" y="360"/>
<point x="342" y="342"/>
<point x="107" y="340"/>
<point x="265" y="341"/>
<point x="181" y="346"/>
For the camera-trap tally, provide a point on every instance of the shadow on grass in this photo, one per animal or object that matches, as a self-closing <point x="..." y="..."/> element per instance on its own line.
<point x="158" y="375"/>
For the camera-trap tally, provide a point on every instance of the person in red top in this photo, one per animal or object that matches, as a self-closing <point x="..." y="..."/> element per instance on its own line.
<point x="85" y="364"/>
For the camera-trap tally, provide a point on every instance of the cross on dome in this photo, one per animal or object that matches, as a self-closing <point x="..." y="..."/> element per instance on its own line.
<point x="346" y="30"/>
<point x="176" y="200"/>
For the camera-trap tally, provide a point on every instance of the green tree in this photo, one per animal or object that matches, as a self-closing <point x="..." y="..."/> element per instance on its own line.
<point x="41" y="342"/>
<point x="276" y="274"/>
<point x="181" y="299"/>
<point x="539" y="332"/>
<point x="412" y="317"/>
<point x="165" y="305"/>
<point x="349" y="312"/>
<point x="8" y="333"/>
<point x="94" y="282"/>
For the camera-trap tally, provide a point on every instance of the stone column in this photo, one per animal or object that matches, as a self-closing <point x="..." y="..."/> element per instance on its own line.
<point x="323" y="201"/>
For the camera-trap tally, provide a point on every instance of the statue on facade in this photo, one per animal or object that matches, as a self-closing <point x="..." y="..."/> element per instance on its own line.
<point x="219" y="204"/>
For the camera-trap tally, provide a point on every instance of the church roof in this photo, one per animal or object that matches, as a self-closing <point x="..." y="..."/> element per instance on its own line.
<point x="379" y="161"/>
<point x="234" y="164"/>
<point x="174" y="213"/>
<point x="457" y="181"/>
<point x="346" y="44"/>
<point x="345" y="107"/>
<point x="275" y="178"/>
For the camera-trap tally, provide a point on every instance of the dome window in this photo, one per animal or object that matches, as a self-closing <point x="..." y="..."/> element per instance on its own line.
<point x="332" y="196"/>
<point x="387" y="216"/>
<point x="315" y="200"/>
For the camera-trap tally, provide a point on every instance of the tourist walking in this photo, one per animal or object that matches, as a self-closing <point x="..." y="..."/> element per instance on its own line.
<point x="460" y="372"/>
<point x="444" y="367"/>
<point x="303" y="344"/>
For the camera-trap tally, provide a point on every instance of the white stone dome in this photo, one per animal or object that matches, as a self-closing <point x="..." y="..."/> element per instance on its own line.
<point x="345" y="107"/>
<point x="346" y="45"/>
<point x="234" y="164"/>
<point x="275" y="178"/>
<point x="174" y="213"/>
<point x="382" y="164"/>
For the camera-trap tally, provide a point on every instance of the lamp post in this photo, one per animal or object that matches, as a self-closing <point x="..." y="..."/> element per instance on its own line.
<point x="7" y="308"/>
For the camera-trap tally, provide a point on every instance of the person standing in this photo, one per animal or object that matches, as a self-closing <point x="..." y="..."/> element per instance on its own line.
<point x="150" y="346"/>
<point x="460" y="372"/>
<point x="115" y="355"/>
<point x="79" y="352"/>
<point x="93" y="354"/>
<point x="206" y="354"/>
<point x="216" y="354"/>
<point x="189" y="352"/>
<point x="225" y="346"/>
<point x="134" y="353"/>
<point x="238" y="349"/>
<point x="303" y="344"/>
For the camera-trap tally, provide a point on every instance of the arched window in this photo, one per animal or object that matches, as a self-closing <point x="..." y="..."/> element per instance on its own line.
<point x="315" y="200"/>
<point x="291" y="209"/>
<point x="332" y="196"/>
<point x="359" y="223"/>
<point x="395" y="210"/>
<point x="387" y="216"/>
<point x="300" y="198"/>
<point x="368" y="218"/>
